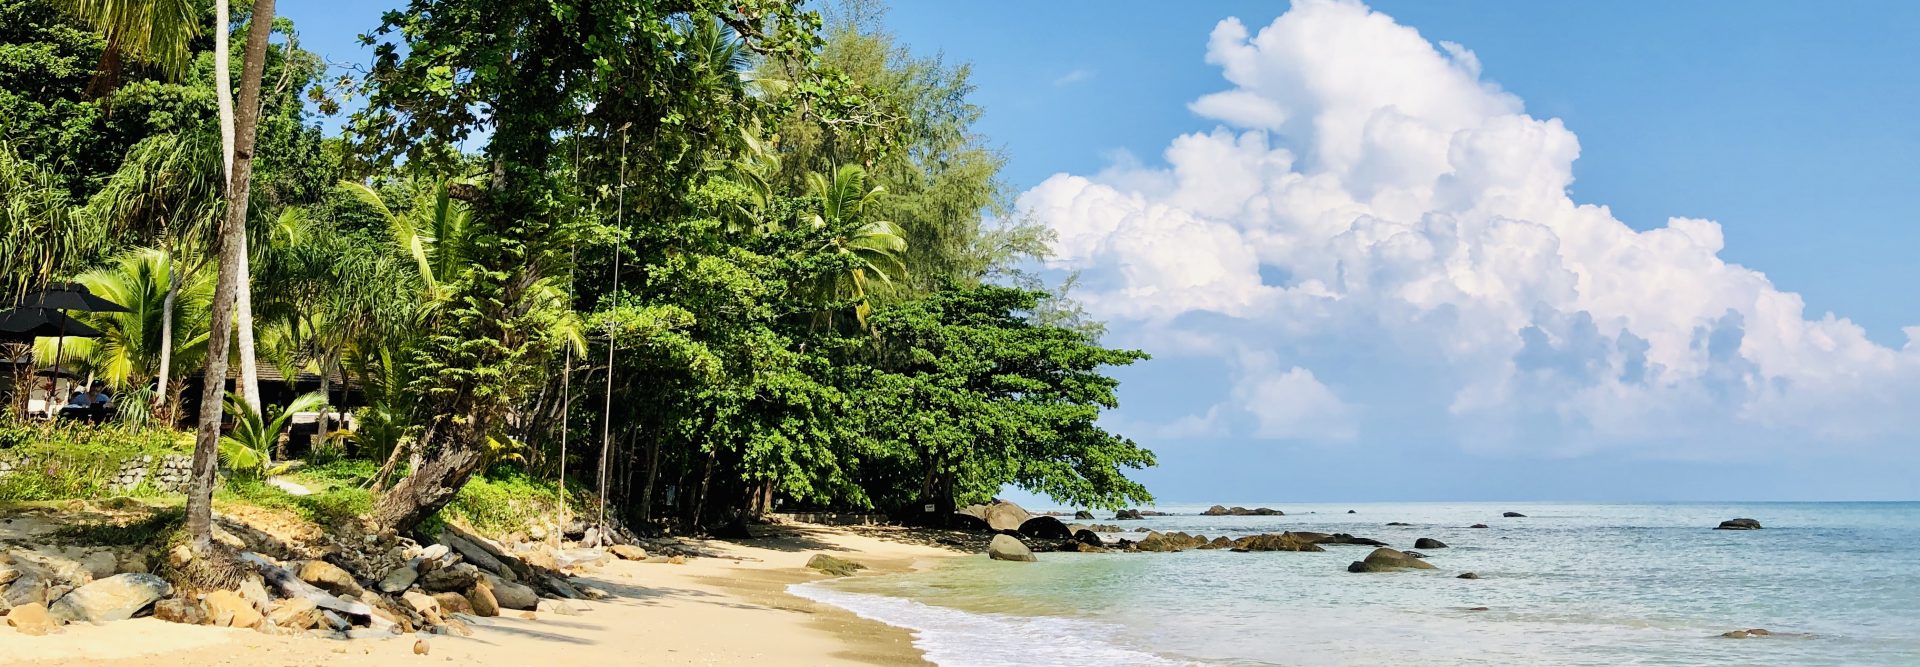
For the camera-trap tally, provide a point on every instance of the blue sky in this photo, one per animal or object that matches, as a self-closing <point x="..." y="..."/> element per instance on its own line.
<point x="1496" y="346"/>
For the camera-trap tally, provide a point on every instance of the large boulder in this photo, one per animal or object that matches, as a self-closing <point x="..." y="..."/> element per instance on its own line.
<point x="628" y="552"/>
<point x="115" y="598"/>
<point x="295" y="614"/>
<point x="399" y="579"/>
<point x="453" y="578"/>
<point x="1045" y="527"/>
<point x="1513" y="515"/>
<point x="511" y="595"/>
<point x="1217" y="510"/>
<point x="1428" y="543"/>
<point x="29" y="586"/>
<point x="1082" y="515"/>
<point x="228" y="609"/>
<point x="1739" y="524"/>
<point x="1388" y="560"/>
<point x="480" y="597"/>
<point x="1009" y="548"/>
<point x="1003" y="516"/>
<point x="1337" y="538"/>
<point x="1127" y="515"/>
<point x="1089" y="538"/>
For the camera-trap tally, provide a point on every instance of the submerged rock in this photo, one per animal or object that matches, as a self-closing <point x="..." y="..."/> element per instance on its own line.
<point x="1513" y="515"/>
<point x="1468" y="575"/>
<point x="1428" y="543"/>
<point x="1218" y="510"/>
<point x="1739" y="524"/>
<point x="1388" y="560"/>
<point x="1478" y="525"/>
<point x="1009" y="548"/>
<point x="1271" y="542"/>
<point x="838" y="567"/>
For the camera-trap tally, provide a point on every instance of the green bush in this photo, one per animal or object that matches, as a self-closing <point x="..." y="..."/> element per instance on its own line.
<point x="503" y="502"/>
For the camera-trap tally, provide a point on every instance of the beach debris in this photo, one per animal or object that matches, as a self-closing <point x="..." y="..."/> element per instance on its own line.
<point x="1009" y="548"/>
<point x="114" y="598"/>
<point x="1428" y="543"/>
<point x="33" y="620"/>
<point x="1468" y="575"/>
<point x="838" y="567"/>
<point x="1387" y="560"/>
<point x="1739" y="524"/>
<point x="1218" y="510"/>
<point x="1513" y="515"/>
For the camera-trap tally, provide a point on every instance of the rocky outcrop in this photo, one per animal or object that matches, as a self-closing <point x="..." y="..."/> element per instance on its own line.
<point x="1045" y="527"/>
<point x="1338" y="538"/>
<point x="838" y="567"/>
<point x="1218" y="510"/>
<point x="1388" y="560"/>
<point x="1167" y="542"/>
<point x="1009" y="548"/>
<point x="1739" y="524"/>
<point x="1082" y="515"/>
<point x="115" y="598"/>
<point x="1270" y="542"/>
<point x="1128" y="515"/>
<point x="1428" y="543"/>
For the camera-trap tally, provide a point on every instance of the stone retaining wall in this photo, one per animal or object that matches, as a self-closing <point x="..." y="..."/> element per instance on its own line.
<point x="167" y="474"/>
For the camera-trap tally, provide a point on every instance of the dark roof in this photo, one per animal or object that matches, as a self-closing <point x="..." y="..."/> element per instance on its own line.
<point x="271" y="373"/>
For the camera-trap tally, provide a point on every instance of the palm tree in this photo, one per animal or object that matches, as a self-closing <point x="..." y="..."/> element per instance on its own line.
<point x="157" y="31"/>
<point x="138" y="344"/>
<point x="233" y="250"/>
<point x="249" y="448"/>
<point x="432" y="230"/>
<point x="875" y="247"/>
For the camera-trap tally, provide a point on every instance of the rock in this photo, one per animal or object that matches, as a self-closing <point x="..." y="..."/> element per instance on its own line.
<point x="1513" y="515"/>
<point x="1759" y="632"/>
<point x="1220" y="542"/>
<point x="1218" y="510"/>
<point x="1269" y="542"/>
<point x="30" y="586"/>
<point x="1479" y="609"/>
<point x="1478" y="525"/>
<point x="1736" y="634"/>
<point x="1468" y="575"/>
<point x="1009" y="548"/>
<point x="1338" y="538"/>
<point x="399" y="579"/>
<point x="528" y="615"/>
<point x="677" y="560"/>
<point x="1045" y="527"/>
<point x="454" y="578"/>
<point x="1415" y="554"/>
<point x="100" y="564"/>
<point x="33" y="620"/>
<point x="482" y="600"/>
<point x="420" y="647"/>
<point x="1352" y="512"/>
<point x="1398" y="523"/>
<point x="423" y="604"/>
<point x="1388" y="560"/>
<point x="1083" y="515"/>
<point x="1127" y="515"/>
<point x="114" y="598"/>
<point x="510" y="595"/>
<point x="178" y="610"/>
<point x="1159" y="543"/>
<point x="453" y="603"/>
<point x="628" y="552"/>
<point x="8" y="573"/>
<point x="295" y="614"/>
<point x="228" y="609"/>
<point x="1004" y="516"/>
<point x="437" y="554"/>
<point x="1089" y="538"/>
<point x="256" y="593"/>
<point x="1739" y="524"/>
<point x="838" y="567"/>
<point x="328" y="577"/>
<point x="1428" y="543"/>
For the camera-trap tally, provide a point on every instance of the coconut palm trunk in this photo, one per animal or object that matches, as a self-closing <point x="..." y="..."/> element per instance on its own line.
<point x="166" y="335"/>
<point x="231" y="282"/>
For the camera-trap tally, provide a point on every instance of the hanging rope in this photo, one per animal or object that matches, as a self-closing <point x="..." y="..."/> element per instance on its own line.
<point x="606" y="420"/>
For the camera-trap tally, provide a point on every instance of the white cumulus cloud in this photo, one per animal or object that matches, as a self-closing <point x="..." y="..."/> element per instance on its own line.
<point x="1373" y="214"/>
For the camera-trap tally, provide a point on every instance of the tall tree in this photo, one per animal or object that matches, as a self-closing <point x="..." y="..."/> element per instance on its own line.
<point x="230" y="282"/>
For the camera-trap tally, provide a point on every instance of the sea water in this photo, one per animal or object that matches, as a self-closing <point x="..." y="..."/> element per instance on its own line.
<point x="1570" y="584"/>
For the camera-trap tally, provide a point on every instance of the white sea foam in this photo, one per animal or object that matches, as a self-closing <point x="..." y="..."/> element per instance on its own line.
<point x="954" y="638"/>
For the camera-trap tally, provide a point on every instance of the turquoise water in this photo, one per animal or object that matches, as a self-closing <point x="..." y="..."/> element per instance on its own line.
<point x="1571" y="584"/>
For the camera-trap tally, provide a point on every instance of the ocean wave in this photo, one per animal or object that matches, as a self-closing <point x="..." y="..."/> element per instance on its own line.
<point x="954" y="638"/>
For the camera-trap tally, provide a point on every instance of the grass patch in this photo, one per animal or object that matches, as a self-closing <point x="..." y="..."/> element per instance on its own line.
<point x="326" y="508"/>
<point x="62" y="461"/>
<point x="502" y="503"/>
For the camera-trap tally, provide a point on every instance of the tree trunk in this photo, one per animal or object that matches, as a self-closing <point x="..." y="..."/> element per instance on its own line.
<point x="223" y="86"/>
<point x="243" y="314"/>
<point x="226" y="289"/>
<point x="326" y="402"/>
<point x="429" y="488"/>
<point x="166" y="337"/>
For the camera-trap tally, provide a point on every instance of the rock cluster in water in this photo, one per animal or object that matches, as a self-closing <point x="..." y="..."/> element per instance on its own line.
<point x="1218" y="510"/>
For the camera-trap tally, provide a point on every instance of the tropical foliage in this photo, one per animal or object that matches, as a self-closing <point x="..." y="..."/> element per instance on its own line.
<point x="700" y="258"/>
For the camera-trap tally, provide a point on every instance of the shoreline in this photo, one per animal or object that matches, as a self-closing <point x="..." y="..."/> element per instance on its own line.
<point x="728" y="608"/>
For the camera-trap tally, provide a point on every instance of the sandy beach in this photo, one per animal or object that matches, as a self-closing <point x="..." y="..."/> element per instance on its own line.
<point x="710" y="611"/>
